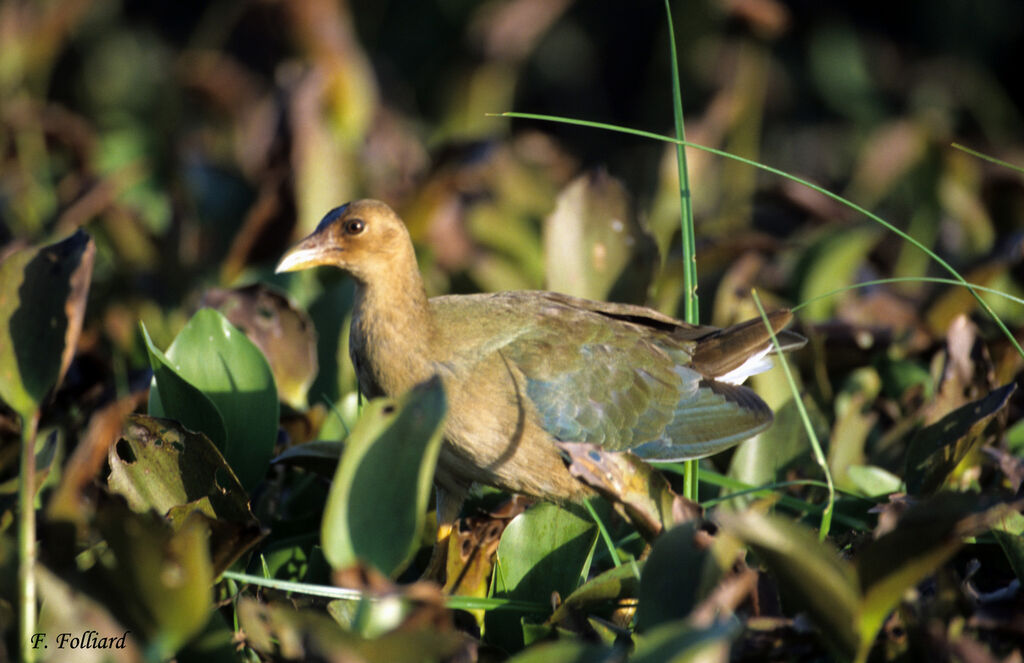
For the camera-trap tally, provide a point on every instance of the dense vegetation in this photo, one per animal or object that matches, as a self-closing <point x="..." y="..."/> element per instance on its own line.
<point x="213" y="495"/>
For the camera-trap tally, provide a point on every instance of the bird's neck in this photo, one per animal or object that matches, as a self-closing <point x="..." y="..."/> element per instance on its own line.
<point x="392" y="330"/>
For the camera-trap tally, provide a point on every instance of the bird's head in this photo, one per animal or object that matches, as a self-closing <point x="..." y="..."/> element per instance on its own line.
<point x="365" y="238"/>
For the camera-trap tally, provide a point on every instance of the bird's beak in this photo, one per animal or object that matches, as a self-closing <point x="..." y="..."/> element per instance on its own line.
<point x="310" y="252"/>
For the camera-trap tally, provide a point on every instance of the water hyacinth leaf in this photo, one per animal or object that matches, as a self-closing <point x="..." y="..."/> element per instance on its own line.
<point x="543" y="550"/>
<point x="159" y="578"/>
<point x="213" y="356"/>
<point x="282" y="331"/>
<point x="593" y="244"/>
<point x="376" y="505"/>
<point x="606" y="589"/>
<point x="319" y="456"/>
<point x="184" y="402"/>
<point x="936" y="450"/>
<point x="873" y="481"/>
<point x="158" y="464"/>
<point x="42" y="304"/>
<point x="809" y="573"/>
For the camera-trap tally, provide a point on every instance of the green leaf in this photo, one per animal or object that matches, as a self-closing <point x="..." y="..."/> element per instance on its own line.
<point x="42" y="303"/>
<point x="1009" y="532"/>
<point x="832" y="264"/>
<point x="593" y="245"/>
<point x="809" y="573"/>
<point x="156" y="579"/>
<point x="936" y="450"/>
<point x="378" y="499"/>
<point x="160" y="465"/>
<point x="873" y="481"/>
<point x="543" y="550"/>
<point x="674" y="574"/>
<point x="213" y="356"/>
<point x="282" y="331"/>
<point x="613" y="585"/>
<point x="569" y="651"/>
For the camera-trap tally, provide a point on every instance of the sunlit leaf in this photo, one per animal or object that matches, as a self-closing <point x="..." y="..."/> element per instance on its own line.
<point x="593" y="245"/>
<point x="213" y="357"/>
<point x="924" y="538"/>
<point x="282" y="331"/>
<point x="543" y="550"/>
<point x="681" y="642"/>
<point x="603" y="591"/>
<point x="379" y="495"/>
<point x="160" y="465"/>
<point x="832" y="264"/>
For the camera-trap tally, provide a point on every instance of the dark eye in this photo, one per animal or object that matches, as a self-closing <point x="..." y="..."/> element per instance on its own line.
<point x="354" y="226"/>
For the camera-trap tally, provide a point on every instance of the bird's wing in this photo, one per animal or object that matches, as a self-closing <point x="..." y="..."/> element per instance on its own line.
<point x="623" y="385"/>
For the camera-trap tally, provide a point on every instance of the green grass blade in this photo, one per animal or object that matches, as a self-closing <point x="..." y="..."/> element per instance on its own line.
<point x="691" y="311"/>
<point x="990" y="159"/>
<point x="819" y="456"/>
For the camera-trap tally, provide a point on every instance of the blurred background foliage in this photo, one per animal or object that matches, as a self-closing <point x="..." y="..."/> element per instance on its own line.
<point x="196" y="140"/>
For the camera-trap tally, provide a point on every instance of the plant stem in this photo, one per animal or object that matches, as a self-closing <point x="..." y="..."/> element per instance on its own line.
<point x="27" y="536"/>
<point x="691" y="312"/>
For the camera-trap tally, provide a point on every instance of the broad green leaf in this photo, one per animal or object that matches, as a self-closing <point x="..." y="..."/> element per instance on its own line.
<point x="283" y="332"/>
<point x="158" y="464"/>
<point x="593" y="245"/>
<point x="543" y="550"/>
<point x="42" y="304"/>
<point x="604" y="590"/>
<point x="213" y="356"/>
<point x="936" y="450"/>
<point x="378" y="499"/>
<point x="809" y="573"/>
<point x="158" y="580"/>
<point x="185" y="403"/>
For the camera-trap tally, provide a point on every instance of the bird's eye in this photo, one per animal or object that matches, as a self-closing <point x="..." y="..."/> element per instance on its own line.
<point x="354" y="226"/>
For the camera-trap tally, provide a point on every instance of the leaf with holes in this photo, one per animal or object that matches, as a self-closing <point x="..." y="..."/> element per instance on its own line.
<point x="158" y="464"/>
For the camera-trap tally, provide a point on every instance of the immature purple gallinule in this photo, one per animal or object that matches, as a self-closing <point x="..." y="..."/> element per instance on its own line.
<point x="524" y="370"/>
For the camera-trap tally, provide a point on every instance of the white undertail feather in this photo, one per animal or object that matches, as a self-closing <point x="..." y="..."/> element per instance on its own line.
<point x="757" y="363"/>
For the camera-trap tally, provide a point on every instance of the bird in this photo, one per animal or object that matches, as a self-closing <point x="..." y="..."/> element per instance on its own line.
<point x="526" y="370"/>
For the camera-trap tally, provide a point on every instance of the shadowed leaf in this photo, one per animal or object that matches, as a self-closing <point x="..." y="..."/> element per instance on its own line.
<point x="936" y="450"/>
<point x="42" y="304"/>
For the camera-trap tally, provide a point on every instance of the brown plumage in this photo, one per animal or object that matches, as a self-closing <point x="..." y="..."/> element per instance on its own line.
<point x="524" y="370"/>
